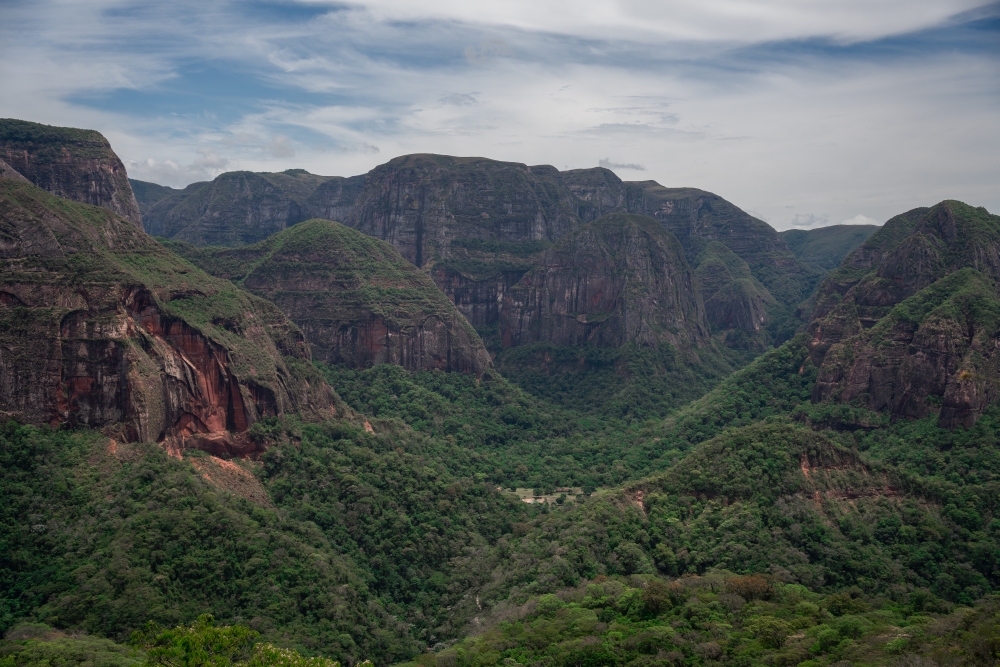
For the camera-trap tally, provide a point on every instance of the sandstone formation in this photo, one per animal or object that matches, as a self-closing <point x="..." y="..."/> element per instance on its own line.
<point x="477" y="226"/>
<point x="101" y="326"/>
<point x="734" y="298"/>
<point x="697" y="218"/>
<point x="620" y="279"/>
<point x="71" y="163"/>
<point x="356" y="299"/>
<point x="910" y="322"/>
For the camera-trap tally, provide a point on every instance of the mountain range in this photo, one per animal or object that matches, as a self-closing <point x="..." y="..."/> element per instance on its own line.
<point x="317" y="407"/>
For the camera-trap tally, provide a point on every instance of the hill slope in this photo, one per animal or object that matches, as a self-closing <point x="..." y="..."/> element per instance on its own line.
<point x="357" y="301"/>
<point x="824" y="248"/>
<point x="907" y="323"/>
<point x="104" y="327"/>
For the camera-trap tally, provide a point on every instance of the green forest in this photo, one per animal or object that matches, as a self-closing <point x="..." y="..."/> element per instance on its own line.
<point x="662" y="436"/>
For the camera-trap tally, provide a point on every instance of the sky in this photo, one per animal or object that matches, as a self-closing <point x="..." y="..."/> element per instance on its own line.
<point x="804" y="113"/>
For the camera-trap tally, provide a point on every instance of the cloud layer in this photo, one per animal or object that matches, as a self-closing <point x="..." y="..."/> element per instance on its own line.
<point x="804" y="113"/>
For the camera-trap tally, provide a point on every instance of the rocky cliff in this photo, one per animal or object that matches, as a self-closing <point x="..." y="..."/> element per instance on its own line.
<point x="478" y="225"/>
<point x="620" y="279"/>
<point x="102" y="326"/>
<point x="910" y="321"/>
<point x="71" y="163"/>
<point x="356" y="299"/>
<point x="241" y="207"/>
<point x="422" y="203"/>
<point x="697" y="218"/>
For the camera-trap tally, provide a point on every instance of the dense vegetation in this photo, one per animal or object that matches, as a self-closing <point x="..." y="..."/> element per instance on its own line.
<point x="720" y="618"/>
<point x="824" y="248"/>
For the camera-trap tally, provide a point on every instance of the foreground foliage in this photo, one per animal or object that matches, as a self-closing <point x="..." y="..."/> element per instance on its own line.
<point x="720" y="618"/>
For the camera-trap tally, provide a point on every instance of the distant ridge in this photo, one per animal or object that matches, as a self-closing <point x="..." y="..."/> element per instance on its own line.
<point x="479" y="225"/>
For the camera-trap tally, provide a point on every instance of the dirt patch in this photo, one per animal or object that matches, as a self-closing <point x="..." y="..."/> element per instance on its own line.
<point x="233" y="478"/>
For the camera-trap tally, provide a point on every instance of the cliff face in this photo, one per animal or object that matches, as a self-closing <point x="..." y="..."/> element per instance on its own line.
<point x="422" y="203"/>
<point x="355" y="298"/>
<point x="241" y="207"/>
<point x="910" y="322"/>
<point x="70" y="163"/>
<point x="734" y="298"/>
<point x="477" y="226"/>
<point x="101" y="326"/>
<point x="697" y="218"/>
<point x="619" y="279"/>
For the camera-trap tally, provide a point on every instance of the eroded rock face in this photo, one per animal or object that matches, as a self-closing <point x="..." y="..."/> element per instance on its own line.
<point x="103" y="327"/>
<point x="357" y="301"/>
<point x="477" y="225"/>
<point x="242" y="208"/>
<point x="697" y="218"/>
<point x="71" y="163"/>
<point x="909" y="322"/>
<point x="619" y="279"/>
<point x="237" y="208"/>
<point x="422" y="203"/>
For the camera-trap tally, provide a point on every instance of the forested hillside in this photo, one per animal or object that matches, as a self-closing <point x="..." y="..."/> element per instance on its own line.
<point x="300" y="450"/>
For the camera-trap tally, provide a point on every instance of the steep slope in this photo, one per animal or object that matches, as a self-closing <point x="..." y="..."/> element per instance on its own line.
<point x="241" y="208"/>
<point x="619" y="279"/>
<point x="421" y="203"/>
<point x="824" y="248"/>
<point x="735" y="301"/>
<point x="697" y="217"/>
<point x="102" y="326"/>
<point x="357" y="301"/>
<point x="909" y="322"/>
<point x="237" y="208"/>
<point x="478" y="225"/>
<point x="75" y="164"/>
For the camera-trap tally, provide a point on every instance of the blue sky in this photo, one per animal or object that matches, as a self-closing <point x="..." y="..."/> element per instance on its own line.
<point x="803" y="112"/>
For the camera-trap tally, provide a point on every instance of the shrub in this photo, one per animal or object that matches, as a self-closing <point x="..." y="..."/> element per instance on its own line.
<point x="751" y="587"/>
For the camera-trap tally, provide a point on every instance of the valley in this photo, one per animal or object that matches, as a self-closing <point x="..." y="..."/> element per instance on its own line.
<point x="316" y="408"/>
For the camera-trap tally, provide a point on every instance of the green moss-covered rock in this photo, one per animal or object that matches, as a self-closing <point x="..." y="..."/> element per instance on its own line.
<point x="355" y="298"/>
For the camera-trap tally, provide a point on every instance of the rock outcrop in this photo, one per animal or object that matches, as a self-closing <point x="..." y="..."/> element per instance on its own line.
<point x="910" y="322"/>
<point x="71" y="163"/>
<point x="734" y="298"/>
<point x="101" y="326"/>
<point x="356" y="299"/>
<point x="242" y="208"/>
<point x="622" y="278"/>
<point x="697" y="218"/>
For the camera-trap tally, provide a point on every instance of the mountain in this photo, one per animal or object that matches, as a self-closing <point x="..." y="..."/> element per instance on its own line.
<point x="71" y="163"/>
<point x="241" y="207"/>
<point x="620" y="279"/>
<point x="824" y="248"/>
<point x="103" y="327"/>
<point x="479" y="225"/>
<point x="356" y="300"/>
<point x="907" y="323"/>
<point x="697" y="218"/>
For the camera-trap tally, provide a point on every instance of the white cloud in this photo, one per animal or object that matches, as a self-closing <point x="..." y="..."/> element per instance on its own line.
<point x="805" y="129"/>
<point x="608" y="164"/>
<point x="746" y="21"/>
